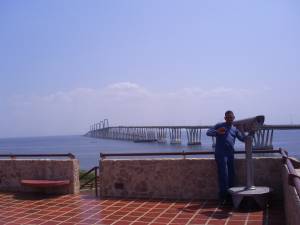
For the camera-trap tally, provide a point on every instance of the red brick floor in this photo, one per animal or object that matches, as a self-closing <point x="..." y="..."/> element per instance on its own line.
<point x="85" y="209"/>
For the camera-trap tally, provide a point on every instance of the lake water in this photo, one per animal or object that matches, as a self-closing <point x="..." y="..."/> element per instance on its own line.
<point x="87" y="150"/>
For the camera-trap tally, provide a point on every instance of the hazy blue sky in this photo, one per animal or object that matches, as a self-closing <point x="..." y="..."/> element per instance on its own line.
<point x="66" y="64"/>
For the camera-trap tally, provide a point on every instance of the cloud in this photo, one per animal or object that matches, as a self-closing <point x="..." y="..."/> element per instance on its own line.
<point x="214" y="93"/>
<point x="125" y="90"/>
<point x="126" y="87"/>
<point x="124" y="103"/>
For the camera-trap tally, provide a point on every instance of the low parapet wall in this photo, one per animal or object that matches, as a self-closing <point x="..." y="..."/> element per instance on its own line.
<point x="12" y="171"/>
<point x="179" y="178"/>
<point x="291" y="199"/>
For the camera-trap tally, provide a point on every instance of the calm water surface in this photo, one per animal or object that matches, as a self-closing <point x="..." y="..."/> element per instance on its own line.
<point x="87" y="150"/>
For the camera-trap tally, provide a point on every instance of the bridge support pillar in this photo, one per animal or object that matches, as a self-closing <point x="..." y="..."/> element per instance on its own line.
<point x="140" y="135"/>
<point x="161" y="135"/>
<point x="175" y="136"/>
<point x="263" y="139"/>
<point x="193" y="136"/>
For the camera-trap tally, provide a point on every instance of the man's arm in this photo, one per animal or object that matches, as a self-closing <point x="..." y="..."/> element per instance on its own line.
<point x="212" y="131"/>
<point x="240" y="135"/>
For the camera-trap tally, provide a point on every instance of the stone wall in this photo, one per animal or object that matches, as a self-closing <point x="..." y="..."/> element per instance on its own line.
<point x="291" y="199"/>
<point x="179" y="178"/>
<point x="12" y="171"/>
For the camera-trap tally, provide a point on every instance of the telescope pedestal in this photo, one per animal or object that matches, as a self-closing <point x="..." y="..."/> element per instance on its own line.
<point x="259" y="194"/>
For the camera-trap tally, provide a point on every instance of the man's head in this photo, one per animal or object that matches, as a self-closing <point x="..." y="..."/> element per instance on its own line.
<point x="229" y="117"/>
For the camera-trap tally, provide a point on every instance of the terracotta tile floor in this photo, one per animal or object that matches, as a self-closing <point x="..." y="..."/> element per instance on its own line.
<point x="85" y="209"/>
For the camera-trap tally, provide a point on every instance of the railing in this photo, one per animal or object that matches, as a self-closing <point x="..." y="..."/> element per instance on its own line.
<point x="277" y="127"/>
<point x="13" y="156"/>
<point x="293" y="177"/>
<point x="93" y="180"/>
<point x="183" y="153"/>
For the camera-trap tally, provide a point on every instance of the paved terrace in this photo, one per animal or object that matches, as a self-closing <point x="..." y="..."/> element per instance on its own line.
<point x="86" y="209"/>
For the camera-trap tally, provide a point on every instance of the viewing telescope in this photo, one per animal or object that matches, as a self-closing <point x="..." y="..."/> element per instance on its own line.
<point x="250" y="125"/>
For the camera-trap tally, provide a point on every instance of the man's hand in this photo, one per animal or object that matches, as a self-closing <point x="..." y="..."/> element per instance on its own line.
<point x="221" y="130"/>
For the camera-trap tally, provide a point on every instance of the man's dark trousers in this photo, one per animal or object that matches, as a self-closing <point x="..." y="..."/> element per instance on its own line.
<point x="225" y="166"/>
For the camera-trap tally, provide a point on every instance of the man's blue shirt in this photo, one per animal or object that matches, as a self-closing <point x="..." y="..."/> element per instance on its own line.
<point x="225" y="141"/>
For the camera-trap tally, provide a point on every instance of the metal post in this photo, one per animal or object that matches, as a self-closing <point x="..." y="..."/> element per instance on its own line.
<point x="249" y="163"/>
<point x="271" y="139"/>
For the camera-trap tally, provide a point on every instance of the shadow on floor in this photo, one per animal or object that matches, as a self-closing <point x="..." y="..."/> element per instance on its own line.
<point x="34" y="196"/>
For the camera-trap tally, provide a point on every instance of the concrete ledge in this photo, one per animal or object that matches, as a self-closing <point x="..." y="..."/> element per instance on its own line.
<point x="179" y="178"/>
<point x="12" y="171"/>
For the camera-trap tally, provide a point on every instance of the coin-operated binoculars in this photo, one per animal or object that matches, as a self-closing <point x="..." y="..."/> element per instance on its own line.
<point x="259" y="194"/>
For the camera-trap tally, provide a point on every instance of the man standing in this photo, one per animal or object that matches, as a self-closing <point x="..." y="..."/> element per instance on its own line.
<point x="225" y="134"/>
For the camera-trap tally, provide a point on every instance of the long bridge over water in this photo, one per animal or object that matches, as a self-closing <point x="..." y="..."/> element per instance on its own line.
<point x="263" y="138"/>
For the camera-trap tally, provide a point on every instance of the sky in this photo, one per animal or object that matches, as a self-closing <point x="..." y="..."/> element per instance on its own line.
<point x="66" y="64"/>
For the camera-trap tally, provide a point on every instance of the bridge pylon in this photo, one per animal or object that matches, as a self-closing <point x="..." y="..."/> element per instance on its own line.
<point x="263" y="139"/>
<point x="175" y="136"/>
<point x="161" y="135"/>
<point x="193" y="136"/>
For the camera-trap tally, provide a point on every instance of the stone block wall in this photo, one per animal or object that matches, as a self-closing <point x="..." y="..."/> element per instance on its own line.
<point x="179" y="178"/>
<point x="291" y="200"/>
<point x="12" y="171"/>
